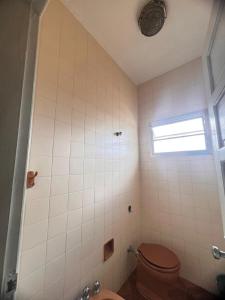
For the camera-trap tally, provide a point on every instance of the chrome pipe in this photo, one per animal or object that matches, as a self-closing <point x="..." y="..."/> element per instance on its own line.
<point x="132" y="250"/>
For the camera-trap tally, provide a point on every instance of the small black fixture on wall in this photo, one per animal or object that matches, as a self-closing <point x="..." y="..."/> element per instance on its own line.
<point x="118" y="133"/>
<point x="129" y="209"/>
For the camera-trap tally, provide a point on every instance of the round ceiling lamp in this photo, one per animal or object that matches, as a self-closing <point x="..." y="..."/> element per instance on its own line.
<point x="152" y="17"/>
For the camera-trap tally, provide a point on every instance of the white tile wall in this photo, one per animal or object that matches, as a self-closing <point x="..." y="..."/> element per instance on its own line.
<point x="180" y="207"/>
<point x="87" y="176"/>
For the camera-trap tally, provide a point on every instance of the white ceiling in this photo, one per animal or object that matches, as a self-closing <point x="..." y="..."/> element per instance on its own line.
<point x="114" y="25"/>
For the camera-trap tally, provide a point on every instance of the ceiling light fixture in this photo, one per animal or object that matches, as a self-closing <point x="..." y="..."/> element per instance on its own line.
<point x="152" y="17"/>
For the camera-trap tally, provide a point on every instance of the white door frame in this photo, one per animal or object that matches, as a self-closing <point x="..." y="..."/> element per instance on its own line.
<point x="214" y="95"/>
<point x="19" y="20"/>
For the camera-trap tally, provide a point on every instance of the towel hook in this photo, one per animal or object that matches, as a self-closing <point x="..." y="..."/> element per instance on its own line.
<point x="31" y="175"/>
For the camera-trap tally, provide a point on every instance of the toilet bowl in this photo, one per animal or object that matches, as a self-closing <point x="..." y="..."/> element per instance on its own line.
<point x="157" y="269"/>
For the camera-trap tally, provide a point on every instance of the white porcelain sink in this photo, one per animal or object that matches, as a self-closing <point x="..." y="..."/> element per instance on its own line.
<point x="107" y="295"/>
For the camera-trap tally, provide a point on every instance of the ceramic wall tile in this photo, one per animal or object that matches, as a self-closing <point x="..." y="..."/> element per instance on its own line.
<point x="176" y="190"/>
<point x="81" y="98"/>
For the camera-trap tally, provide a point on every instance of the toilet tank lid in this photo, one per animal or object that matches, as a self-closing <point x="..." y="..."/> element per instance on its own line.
<point x="159" y="255"/>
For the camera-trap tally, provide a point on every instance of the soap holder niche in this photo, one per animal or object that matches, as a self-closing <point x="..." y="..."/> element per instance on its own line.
<point x="108" y="249"/>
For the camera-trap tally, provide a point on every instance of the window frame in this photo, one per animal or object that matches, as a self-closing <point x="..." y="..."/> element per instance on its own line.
<point x="179" y="118"/>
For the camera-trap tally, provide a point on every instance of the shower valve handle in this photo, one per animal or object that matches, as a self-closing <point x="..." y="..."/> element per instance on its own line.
<point x="217" y="253"/>
<point x="86" y="293"/>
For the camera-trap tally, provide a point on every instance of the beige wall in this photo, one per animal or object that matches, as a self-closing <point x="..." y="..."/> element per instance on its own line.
<point x="87" y="176"/>
<point x="180" y="207"/>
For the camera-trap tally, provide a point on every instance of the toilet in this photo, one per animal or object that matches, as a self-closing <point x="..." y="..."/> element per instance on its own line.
<point x="157" y="270"/>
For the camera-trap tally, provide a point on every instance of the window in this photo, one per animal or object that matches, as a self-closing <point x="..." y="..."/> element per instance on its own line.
<point x="184" y="134"/>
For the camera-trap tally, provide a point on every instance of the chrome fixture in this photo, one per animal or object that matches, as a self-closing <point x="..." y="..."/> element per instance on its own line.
<point x="217" y="253"/>
<point x="86" y="293"/>
<point x="96" y="287"/>
<point x="132" y="250"/>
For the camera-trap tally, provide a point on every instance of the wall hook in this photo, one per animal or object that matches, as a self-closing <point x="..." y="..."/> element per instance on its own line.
<point x="31" y="178"/>
<point x="119" y="133"/>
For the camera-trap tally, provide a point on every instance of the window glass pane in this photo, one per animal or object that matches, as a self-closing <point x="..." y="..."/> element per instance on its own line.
<point x="183" y="127"/>
<point x="189" y="143"/>
<point x="220" y="119"/>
